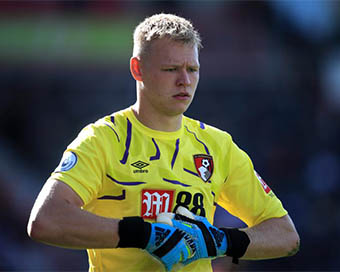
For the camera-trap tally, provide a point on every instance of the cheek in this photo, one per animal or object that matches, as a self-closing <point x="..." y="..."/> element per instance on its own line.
<point x="195" y="79"/>
<point x="151" y="83"/>
<point x="157" y="78"/>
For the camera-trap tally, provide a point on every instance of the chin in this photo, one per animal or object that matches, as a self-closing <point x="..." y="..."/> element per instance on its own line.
<point x="179" y="111"/>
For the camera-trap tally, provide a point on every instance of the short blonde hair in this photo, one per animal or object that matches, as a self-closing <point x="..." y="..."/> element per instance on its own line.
<point x="164" y="25"/>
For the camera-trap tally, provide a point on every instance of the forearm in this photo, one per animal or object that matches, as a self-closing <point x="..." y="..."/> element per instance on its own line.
<point x="58" y="222"/>
<point x="80" y="230"/>
<point x="273" y="238"/>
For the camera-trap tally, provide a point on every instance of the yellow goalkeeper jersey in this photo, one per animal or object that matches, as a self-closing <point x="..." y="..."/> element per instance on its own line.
<point x="119" y="167"/>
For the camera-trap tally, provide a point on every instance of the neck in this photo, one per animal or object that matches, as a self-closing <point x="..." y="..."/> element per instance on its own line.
<point x="155" y="121"/>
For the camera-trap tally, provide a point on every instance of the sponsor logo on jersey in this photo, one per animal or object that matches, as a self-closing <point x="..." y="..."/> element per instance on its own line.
<point x="265" y="187"/>
<point x="68" y="161"/>
<point x="204" y="165"/>
<point x="155" y="202"/>
<point x="140" y="165"/>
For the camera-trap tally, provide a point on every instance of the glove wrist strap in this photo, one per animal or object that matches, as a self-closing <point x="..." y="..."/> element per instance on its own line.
<point x="133" y="232"/>
<point x="238" y="242"/>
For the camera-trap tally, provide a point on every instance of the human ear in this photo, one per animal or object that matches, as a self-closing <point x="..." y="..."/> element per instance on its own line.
<point x="135" y="68"/>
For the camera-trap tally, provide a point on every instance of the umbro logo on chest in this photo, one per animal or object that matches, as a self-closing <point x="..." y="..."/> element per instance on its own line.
<point x="140" y="165"/>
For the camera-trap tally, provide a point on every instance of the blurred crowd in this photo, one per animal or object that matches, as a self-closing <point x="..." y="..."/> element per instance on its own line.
<point x="270" y="76"/>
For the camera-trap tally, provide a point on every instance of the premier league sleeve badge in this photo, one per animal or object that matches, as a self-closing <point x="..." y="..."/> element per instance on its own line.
<point x="67" y="162"/>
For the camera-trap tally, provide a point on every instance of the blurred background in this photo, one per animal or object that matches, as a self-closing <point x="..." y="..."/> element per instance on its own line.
<point x="270" y="76"/>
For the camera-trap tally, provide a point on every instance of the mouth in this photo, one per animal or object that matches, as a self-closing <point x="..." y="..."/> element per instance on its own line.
<point x="182" y="95"/>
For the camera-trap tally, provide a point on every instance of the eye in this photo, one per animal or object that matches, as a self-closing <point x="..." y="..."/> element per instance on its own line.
<point x="192" y="69"/>
<point x="172" y="69"/>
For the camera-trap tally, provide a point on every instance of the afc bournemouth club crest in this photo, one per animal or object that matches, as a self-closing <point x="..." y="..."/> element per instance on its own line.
<point x="204" y="166"/>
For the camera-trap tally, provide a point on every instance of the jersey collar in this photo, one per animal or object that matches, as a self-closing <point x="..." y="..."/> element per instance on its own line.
<point x="151" y="132"/>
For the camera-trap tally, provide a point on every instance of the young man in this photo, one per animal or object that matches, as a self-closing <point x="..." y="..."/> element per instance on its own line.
<point x="128" y="167"/>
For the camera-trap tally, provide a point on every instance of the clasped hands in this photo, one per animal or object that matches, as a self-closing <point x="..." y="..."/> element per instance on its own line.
<point x="182" y="238"/>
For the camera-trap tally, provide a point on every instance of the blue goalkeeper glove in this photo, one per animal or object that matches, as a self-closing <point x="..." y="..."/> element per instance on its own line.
<point x="210" y="242"/>
<point x="168" y="244"/>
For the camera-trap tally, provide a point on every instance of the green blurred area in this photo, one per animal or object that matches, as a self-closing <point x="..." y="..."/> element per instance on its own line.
<point x="66" y="39"/>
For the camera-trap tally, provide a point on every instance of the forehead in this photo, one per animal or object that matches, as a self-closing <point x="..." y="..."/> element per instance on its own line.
<point x="173" y="52"/>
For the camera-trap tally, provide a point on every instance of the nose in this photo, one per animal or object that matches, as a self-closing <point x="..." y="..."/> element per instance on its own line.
<point x="183" y="78"/>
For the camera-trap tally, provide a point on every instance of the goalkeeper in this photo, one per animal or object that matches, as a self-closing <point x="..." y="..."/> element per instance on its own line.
<point x="150" y="160"/>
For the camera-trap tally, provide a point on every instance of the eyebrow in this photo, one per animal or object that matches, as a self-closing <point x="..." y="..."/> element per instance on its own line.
<point x="179" y="65"/>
